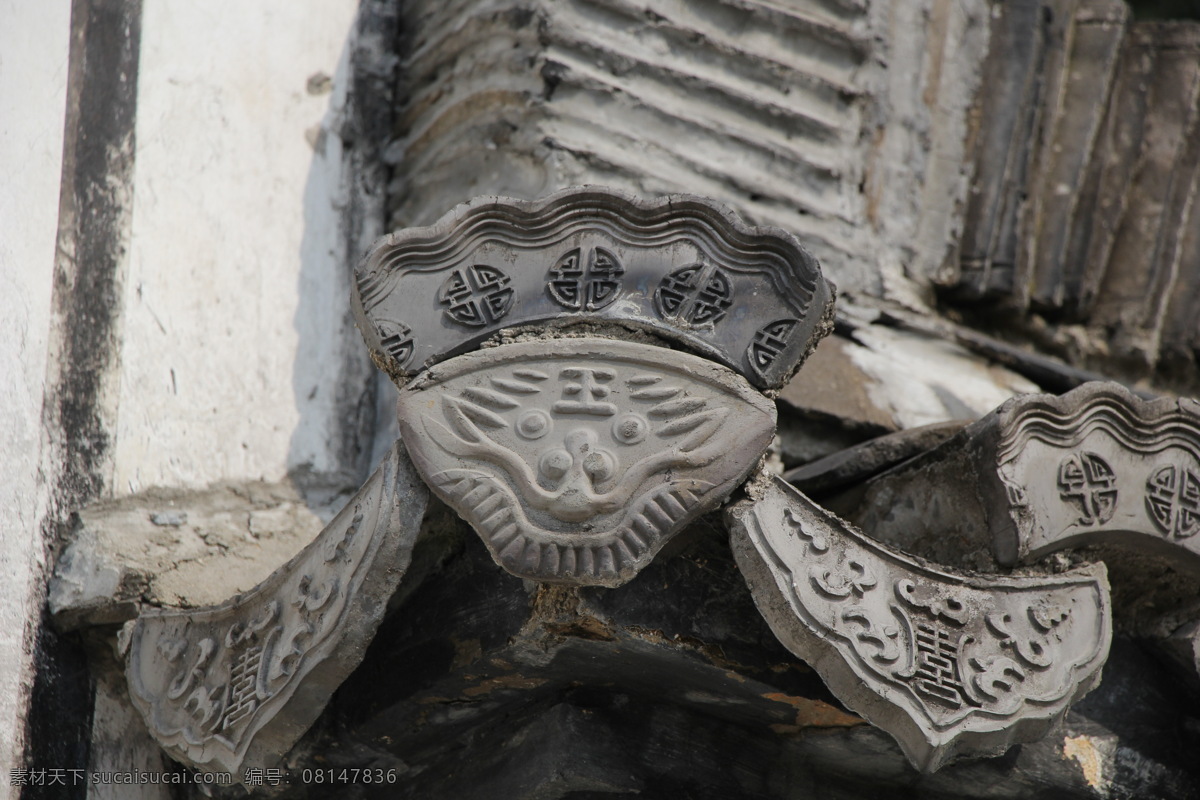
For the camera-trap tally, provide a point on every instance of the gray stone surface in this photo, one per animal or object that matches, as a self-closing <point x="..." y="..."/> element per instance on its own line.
<point x="1072" y="119"/>
<point x="682" y="266"/>
<point x="855" y="464"/>
<point x="950" y="664"/>
<point x="1096" y="466"/>
<point x="673" y="685"/>
<point x="1151" y="218"/>
<point x="667" y="96"/>
<point x="234" y="686"/>
<point x="843" y="122"/>
<point x="1012" y="76"/>
<point x="1082" y="210"/>
<point x="833" y="383"/>
<point x="577" y="459"/>
<point x="883" y="378"/>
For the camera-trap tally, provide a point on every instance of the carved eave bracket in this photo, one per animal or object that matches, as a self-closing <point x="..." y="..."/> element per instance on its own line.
<point x="234" y="686"/>
<point x="576" y="460"/>
<point x="950" y="664"/>
<point x="573" y="454"/>
<point x="683" y="267"/>
<point x="1095" y="466"/>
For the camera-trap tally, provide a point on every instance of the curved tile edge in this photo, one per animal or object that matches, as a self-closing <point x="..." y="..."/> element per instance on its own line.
<point x="234" y="686"/>
<point x="950" y="664"/>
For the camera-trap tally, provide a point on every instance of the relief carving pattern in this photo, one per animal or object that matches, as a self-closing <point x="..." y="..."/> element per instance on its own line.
<point x="215" y="685"/>
<point x="1173" y="501"/>
<point x="928" y="655"/>
<point x="476" y="296"/>
<point x="579" y="467"/>
<point x="575" y="458"/>
<point x="769" y="342"/>
<point x="591" y="285"/>
<point x="1112" y="446"/>
<point x="1086" y="479"/>
<point x="676" y="266"/>
<point x="396" y="340"/>
<point x="1096" y="466"/>
<point x="694" y="295"/>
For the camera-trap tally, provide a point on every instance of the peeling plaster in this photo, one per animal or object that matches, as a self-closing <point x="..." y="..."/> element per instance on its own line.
<point x="1088" y="752"/>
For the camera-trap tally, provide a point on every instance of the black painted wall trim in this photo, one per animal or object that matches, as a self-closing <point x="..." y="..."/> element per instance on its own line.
<point x="94" y="209"/>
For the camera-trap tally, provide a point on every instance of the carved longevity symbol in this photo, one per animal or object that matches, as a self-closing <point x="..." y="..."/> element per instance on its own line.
<point x="585" y="287"/>
<point x="1173" y="501"/>
<point x="243" y="683"/>
<point x="696" y="295"/>
<point x="1086" y="480"/>
<point x="769" y="341"/>
<point x="235" y="685"/>
<point x="476" y="296"/>
<point x="672" y="266"/>
<point x="396" y="340"/>
<point x="936" y="669"/>
<point x="246" y="645"/>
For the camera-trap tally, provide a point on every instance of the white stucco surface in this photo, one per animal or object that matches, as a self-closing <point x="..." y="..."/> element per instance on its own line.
<point x="34" y="42"/>
<point x="233" y="282"/>
<point x="919" y="380"/>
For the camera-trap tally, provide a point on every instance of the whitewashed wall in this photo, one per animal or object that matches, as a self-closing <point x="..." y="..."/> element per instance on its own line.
<point x="234" y="325"/>
<point x="235" y="293"/>
<point x="34" y="47"/>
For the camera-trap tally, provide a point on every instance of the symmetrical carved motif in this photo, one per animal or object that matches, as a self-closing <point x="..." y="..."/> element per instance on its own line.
<point x="577" y="463"/>
<point x="1117" y="447"/>
<point x="769" y="341"/>
<point x="1094" y="466"/>
<point x="694" y="295"/>
<point x="217" y="685"/>
<point x="476" y="296"/>
<point x="949" y="664"/>
<point x="396" y="340"/>
<point x="679" y="266"/>
<point x="1087" y="480"/>
<point x="1173" y="501"/>
<point x="591" y="285"/>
